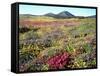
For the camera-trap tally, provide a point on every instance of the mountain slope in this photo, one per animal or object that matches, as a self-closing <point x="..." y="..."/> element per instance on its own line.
<point x="50" y="14"/>
<point x="65" y="14"/>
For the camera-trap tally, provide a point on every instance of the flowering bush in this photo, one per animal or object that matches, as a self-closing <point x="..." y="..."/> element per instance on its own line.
<point x="58" y="61"/>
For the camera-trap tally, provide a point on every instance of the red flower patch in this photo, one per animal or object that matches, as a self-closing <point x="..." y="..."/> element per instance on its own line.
<point x="58" y="61"/>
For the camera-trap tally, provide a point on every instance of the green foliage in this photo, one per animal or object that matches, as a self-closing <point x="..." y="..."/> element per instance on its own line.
<point x="35" y="67"/>
<point x="45" y="68"/>
<point x="53" y="51"/>
<point x="69" y="48"/>
<point x="80" y="63"/>
<point x="29" y="35"/>
<point x="92" y="63"/>
<point x="87" y="48"/>
<point x="24" y="57"/>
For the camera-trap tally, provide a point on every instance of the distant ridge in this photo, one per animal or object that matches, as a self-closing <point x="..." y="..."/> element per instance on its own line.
<point x="63" y="14"/>
<point x="93" y="16"/>
<point x="50" y="14"/>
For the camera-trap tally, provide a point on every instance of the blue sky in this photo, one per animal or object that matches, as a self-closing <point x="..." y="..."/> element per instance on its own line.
<point x="40" y="10"/>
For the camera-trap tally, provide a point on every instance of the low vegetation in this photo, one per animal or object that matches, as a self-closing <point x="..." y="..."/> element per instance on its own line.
<point x="54" y="44"/>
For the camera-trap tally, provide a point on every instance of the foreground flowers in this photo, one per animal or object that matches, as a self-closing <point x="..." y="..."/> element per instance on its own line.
<point x="58" y="61"/>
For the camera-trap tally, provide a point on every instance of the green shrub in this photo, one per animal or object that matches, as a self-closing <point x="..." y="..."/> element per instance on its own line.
<point x="87" y="48"/>
<point x="69" y="48"/>
<point x="24" y="57"/>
